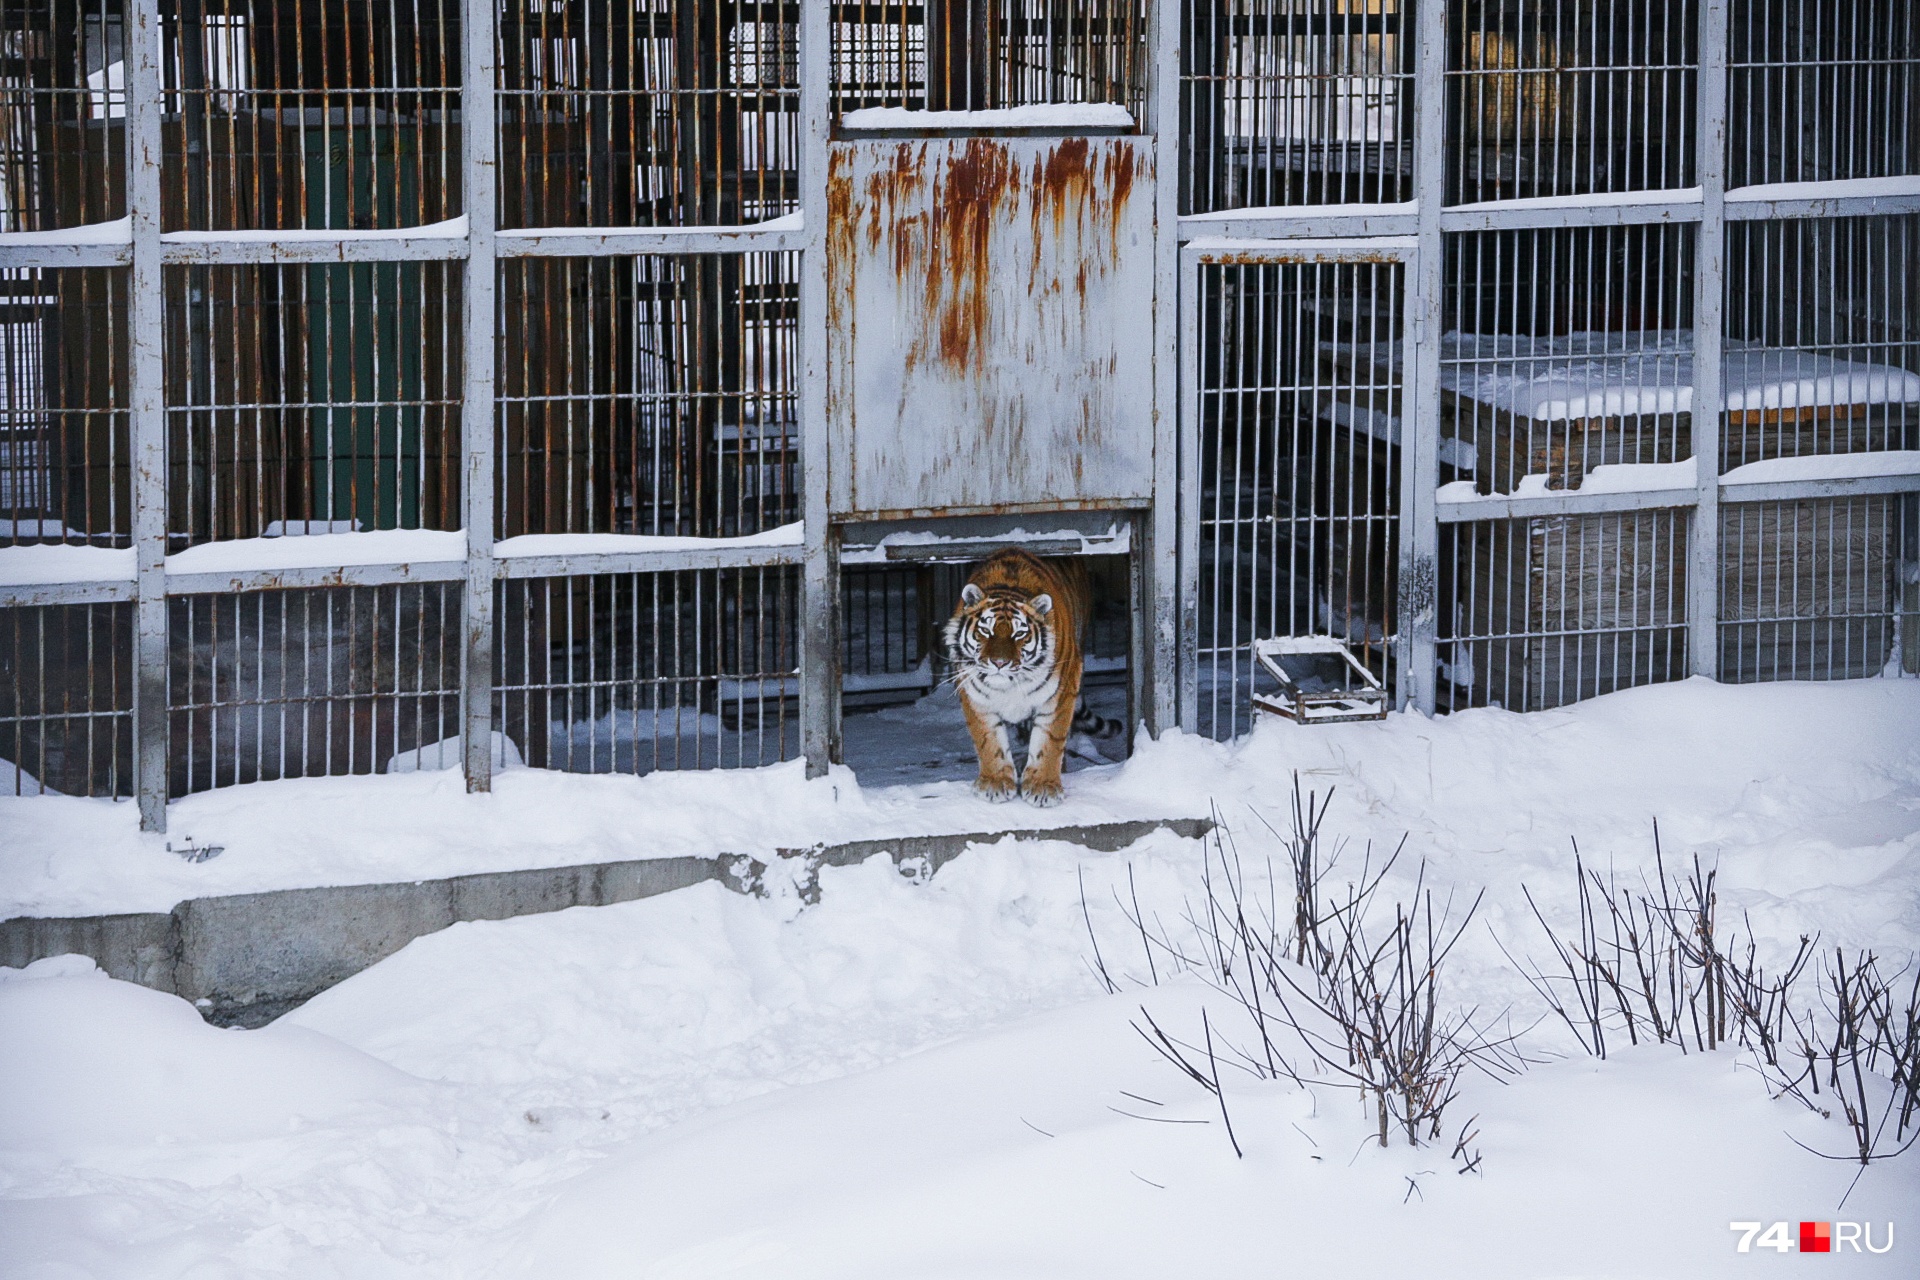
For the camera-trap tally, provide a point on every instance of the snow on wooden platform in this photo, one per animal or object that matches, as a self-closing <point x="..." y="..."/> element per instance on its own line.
<point x="1594" y="375"/>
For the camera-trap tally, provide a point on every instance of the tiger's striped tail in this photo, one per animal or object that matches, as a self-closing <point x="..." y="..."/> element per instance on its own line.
<point x="1094" y="726"/>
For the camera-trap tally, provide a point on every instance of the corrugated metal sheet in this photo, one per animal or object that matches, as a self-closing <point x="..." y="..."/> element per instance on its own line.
<point x="990" y="313"/>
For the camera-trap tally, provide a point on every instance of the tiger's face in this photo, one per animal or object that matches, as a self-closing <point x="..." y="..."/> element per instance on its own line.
<point x="1001" y="639"/>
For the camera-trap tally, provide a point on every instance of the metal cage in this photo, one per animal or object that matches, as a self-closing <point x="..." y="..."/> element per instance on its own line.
<point x="393" y="384"/>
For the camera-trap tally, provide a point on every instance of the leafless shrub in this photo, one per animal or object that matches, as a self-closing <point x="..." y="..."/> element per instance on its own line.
<point x="1653" y="963"/>
<point x="1375" y="1020"/>
<point x="1658" y="964"/>
<point x="1333" y="997"/>
<point x="1859" y="1042"/>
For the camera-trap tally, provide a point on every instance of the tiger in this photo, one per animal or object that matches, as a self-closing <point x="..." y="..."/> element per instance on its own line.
<point x="1014" y="648"/>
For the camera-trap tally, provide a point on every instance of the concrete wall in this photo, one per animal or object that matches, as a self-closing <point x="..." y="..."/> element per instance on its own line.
<point x="250" y="957"/>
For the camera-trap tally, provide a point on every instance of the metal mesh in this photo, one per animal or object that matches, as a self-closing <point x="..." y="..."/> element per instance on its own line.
<point x="66" y="700"/>
<point x="1824" y="313"/>
<point x="1825" y="310"/>
<point x="1819" y="590"/>
<point x="653" y="395"/>
<point x="63" y="406"/>
<point x="629" y="673"/>
<point x="289" y="684"/>
<point x="1822" y="90"/>
<point x="1290" y="102"/>
<point x="648" y="112"/>
<point x="1551" y="610"/>
<point x="312" y="399"/>
<point x="974" y="55"/>
<point x="1565" y="97"/>
<point x="62" y="107"/>
<point x="1565" y="350"/>
<point x="1299" y="467"/>
<point x="314" y="114"/>
<point x="890" y="628"/>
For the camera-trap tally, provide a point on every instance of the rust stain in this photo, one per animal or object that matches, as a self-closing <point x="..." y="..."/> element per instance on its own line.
<point x="959" y="276"/>
<point x="1062" y="181"/>
<point x="891" y="188"/>
<point x="841" y="233"/>
<point x="1120" y="167"/>
<point x="930" y="232"/>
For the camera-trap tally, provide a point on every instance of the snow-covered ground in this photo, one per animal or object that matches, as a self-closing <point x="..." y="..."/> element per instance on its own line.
<point x="922" y="1077"/>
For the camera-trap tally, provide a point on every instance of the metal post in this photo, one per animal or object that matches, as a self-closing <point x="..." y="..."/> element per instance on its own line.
<point x="820" y="583"/>
<point x="477" y="411"/>
<point x="1163" y="682"/>
<point x="1709" y="298"/>
<point x="1187" y="604"/>
<point x="1418" y="587"/>
<point x="147" y="378"/>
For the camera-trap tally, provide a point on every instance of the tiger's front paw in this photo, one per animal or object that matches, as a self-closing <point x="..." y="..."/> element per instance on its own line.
<point x="1045" y="792"/>
<point x="997" y="787"/>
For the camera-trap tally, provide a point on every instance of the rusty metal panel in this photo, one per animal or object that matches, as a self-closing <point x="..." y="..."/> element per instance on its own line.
<point x="990" y="324"/>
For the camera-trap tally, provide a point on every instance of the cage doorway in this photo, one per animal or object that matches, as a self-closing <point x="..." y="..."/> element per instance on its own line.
<point x="901" y="720"/>
<point x="1294" y="475"/>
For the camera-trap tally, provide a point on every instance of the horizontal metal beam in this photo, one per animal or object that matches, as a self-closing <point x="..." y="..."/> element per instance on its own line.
<point x="314" y="576"/>
<point x="1585" y="211"/>
<point x="1819" y="207"/>
<point x="970" y="550"/>
<point x="36" y="594"/>
<point x="679" y="559"/>
<point x="1368" y="249"/>
<point x="43" y="253"/>
<point x="1305" y="221"/>
<point x="309" y="577"/>
<point x="1565" y="503"/>
<point x="1846" y="198"/>
<point x="234" y="248"/>
<point x="1821" y="200"/>
<point x="607" y="242"/>
<point x="1835" y="487"/>
<point x="423" y="244"/>
<point x="1573" y="502"/>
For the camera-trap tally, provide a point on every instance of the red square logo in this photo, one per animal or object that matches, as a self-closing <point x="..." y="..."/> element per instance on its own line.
<point x="1816" y="1237"/>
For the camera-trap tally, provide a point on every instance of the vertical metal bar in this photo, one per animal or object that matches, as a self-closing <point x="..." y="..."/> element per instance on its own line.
<point x="1162" y="680"/>
<point x="147" y="377"/>
<point x="1420" y="386"/>
<point x="820" y="592"/>
<point x="1709" y="294"/>
<point x="476" y="407"/>
<point x="1187" y="606"/>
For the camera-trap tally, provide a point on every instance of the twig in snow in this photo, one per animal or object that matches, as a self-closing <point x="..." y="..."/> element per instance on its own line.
<point x="1218" y="1092"/>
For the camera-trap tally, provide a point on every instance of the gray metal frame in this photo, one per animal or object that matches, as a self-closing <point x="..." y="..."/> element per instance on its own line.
<point x="474" y="240"/>
<point x="1422" y="223"/>
<point x="1166" y="556"/>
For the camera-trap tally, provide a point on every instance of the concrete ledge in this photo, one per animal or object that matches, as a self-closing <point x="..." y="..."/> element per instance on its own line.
<point x="251" y="957"/>
<point x="141" y="948"/>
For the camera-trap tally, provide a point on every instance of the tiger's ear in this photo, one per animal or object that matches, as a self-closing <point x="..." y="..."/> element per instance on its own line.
<point x="1042" y="604"/>
<point x="971" y="595"/>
